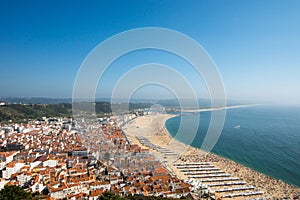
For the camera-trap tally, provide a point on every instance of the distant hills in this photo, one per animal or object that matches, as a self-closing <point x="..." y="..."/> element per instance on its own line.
<point x="35" y="100"/>
<point x="20" y="112"/>
<point x="42" y="100"/>
<point x="18" y="109"/>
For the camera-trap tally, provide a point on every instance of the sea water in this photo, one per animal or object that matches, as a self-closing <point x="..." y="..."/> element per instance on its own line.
<point x="264" y="138"/>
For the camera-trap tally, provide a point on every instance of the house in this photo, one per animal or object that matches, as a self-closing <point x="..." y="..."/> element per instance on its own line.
<point x="11" y="168"/>
<point x="105" y="185"/>
<point x="6" y="157"/>
<point x="37" y="187"/>
<point x="24" y="178"/>
<point x="3" y="182"/>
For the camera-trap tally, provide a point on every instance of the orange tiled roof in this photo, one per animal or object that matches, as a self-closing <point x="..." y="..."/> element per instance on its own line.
<point x="11" y="164"/>
<point x="97" y="192"/>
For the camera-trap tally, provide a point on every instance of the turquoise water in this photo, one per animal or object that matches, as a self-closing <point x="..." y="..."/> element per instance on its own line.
<point x="268" y="139"/>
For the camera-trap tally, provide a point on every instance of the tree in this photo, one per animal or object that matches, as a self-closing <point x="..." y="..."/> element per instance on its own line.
<point x="14" y="193"/>
<point x="109" y="196"/>
<point x="106" y="157"/>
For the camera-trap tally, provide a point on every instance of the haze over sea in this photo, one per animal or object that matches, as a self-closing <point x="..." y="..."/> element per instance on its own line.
<point x="264" y="138"/>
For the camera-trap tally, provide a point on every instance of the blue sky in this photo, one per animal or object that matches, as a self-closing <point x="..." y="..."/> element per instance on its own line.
<point x="255" y="44"/>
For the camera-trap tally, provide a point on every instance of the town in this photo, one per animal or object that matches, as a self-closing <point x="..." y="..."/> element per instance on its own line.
<point x="129" y="155"/>
<point x="61" y="159"/>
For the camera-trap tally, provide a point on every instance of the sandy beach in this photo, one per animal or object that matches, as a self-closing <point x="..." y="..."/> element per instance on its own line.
<point x="151" y="128"/>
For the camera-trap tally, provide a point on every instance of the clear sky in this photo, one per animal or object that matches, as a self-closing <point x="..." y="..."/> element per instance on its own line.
<point x="255" y="44"/>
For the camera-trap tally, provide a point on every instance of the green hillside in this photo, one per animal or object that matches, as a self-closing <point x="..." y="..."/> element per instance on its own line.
<point x="21" y="112"/>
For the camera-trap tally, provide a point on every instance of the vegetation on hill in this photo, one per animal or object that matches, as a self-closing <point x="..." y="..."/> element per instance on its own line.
<point x="14" y="193"/>
<point x="113" y="196"/>
<point x="21" y="112"/>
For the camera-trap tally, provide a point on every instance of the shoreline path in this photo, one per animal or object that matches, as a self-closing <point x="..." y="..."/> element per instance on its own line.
<point x="226" y="178"/>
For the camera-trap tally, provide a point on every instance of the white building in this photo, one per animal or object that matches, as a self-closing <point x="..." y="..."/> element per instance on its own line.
<point x="11" y="168"/>
<point x="50" y="163"/>
<point x="23" y="178"/>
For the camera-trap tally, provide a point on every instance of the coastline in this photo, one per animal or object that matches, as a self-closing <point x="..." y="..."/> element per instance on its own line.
<point x="153" y="128"/>
<point x="218" y="108"/>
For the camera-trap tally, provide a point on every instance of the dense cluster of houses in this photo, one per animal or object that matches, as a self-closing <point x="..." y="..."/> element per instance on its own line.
<point x="51" y="157"/>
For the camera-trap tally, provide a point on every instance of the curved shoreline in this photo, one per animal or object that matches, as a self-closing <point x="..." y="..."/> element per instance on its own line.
<point x="154" y="128"/>
<point x="282" y="190"/>
<point x="240" y="163"/>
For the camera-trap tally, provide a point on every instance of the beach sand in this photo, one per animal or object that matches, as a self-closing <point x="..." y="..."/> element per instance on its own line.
<point x="153" y="128"/>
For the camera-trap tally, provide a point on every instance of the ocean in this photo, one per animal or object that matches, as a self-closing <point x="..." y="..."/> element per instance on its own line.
<point x="264" y="138"/>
